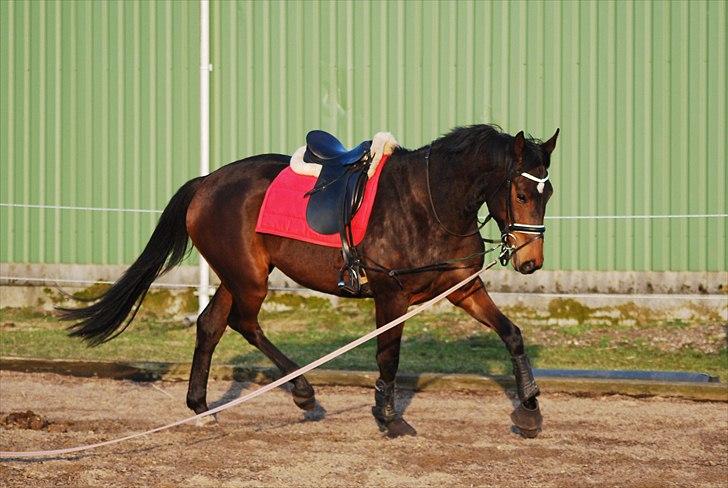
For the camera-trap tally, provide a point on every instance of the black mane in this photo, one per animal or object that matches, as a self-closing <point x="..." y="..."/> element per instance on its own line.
<point x="485" y="140"/>
<point x="477" y="141"/>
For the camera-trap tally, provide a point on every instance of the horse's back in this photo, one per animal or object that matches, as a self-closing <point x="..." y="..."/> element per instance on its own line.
<point x="237" y="182"/>
<point x="253" y="171"/>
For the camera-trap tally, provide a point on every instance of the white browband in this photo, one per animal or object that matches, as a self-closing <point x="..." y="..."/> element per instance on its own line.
<point x="541" y="181"/>
<point x="535" y="229"/>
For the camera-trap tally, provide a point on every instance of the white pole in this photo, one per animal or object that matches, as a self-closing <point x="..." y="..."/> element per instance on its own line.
<point x="203" y="290"/>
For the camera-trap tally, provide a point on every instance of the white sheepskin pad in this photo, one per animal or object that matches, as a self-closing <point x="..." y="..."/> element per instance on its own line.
<point x="383" y="143"/>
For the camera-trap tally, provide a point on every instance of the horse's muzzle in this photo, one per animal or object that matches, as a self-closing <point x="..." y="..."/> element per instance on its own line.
<point x="528" y="267"/>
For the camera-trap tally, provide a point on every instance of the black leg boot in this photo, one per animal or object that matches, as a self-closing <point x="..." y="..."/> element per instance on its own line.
<point x="527" y="416"/>
<point x="387" y="418"/>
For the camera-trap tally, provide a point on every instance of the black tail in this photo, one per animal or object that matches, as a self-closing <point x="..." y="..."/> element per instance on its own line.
<point x="107" y="317"/>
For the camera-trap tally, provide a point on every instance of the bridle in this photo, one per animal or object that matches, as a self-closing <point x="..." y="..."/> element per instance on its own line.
<point x="511" y="227"/>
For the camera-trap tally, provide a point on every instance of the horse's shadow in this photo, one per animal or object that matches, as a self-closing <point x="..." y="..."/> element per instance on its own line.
<point x="489" y="347"/>
<point x="238" y="385"/>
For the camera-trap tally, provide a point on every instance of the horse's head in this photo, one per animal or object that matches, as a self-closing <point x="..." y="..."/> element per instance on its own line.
<point x="520" y="205"/>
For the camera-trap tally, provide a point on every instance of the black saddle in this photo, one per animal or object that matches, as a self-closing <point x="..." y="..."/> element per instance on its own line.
<point x="336" y="197"/>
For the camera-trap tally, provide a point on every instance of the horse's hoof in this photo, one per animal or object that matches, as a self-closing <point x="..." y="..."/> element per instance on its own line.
<point x="397" y="428"/>
<point x="305" y="403"/>
<point x="207" y="421"/>
<point x="527" y="421"/>
<point x="316" y="414"/>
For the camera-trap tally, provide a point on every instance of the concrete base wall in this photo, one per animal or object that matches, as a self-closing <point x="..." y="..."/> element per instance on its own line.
<point x="497" y="280"/>
<point x="664" y="296"/>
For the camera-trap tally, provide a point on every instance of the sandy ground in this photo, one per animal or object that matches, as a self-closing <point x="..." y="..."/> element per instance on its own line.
<point x="464" y="439"/>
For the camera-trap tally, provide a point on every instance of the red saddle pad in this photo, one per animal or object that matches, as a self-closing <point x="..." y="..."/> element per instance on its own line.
<point x="284" y="209"/>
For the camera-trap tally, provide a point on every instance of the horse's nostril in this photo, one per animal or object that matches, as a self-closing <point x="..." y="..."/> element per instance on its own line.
<point x="528" y="267"/>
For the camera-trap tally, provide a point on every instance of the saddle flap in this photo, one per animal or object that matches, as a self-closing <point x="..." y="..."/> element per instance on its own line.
<point x="335" y="198"/>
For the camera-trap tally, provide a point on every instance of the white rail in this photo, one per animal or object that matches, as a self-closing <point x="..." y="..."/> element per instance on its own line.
<point x="548" y="217"/>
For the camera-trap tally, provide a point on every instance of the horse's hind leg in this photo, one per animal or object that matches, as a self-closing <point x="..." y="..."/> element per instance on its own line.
<point x="210" y="327"/>
<point x="244" y="319"/>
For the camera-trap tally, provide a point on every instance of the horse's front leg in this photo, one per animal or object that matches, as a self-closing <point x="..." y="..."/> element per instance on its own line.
<point x="388" y="344"/>
<point x="476" y="301"/>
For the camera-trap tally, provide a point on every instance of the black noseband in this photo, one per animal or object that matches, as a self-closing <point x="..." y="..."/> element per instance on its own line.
<point x="526" y="228"/>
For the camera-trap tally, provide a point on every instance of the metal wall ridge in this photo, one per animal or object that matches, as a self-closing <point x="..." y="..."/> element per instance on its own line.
<point x="99" y="108"/>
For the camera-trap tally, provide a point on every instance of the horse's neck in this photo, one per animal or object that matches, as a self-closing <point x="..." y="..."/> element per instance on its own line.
<point x="454" y="186"/>
<point x="457" y="188"/>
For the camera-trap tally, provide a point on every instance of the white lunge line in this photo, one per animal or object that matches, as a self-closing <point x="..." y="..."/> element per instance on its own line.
<point x="263" y="389"/>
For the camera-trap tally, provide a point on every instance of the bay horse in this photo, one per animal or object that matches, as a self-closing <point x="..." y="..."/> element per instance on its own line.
<point x="425" y="212"/>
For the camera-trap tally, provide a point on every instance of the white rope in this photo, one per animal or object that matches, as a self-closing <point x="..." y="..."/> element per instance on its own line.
<point x="550" y="217"/>
<point x="85" y="282"/>
<point x="664" y="216"/>
<point x="90" y="209"/>
<point x="263" y="389"/>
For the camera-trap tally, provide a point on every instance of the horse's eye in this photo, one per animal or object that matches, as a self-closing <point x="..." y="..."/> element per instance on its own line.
<point x="521" y="197"/>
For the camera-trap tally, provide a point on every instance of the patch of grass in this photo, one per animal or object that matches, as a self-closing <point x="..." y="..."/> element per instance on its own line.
<point x="298" y="301"/>
<point x="569" y="308"/>
<point x="92" y="292"/>
<point x="23" y="314"/>
<point x="448" y="341"/>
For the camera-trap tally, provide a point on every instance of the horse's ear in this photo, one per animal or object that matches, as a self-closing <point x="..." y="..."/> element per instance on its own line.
<point x="518" y="146"/>
<point x="550" y="145"/>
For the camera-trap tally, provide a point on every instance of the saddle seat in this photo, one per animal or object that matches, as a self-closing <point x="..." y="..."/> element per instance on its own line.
<point x="325" y="149"/>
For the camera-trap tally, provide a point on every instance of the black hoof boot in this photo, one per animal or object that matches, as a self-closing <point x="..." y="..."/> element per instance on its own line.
<point x="527" y="419"/>
<point x="387" y="418"/>
<point x="303" y="394"/>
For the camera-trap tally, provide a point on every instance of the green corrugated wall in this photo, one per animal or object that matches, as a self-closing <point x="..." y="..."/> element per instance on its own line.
<point x="99" y="108"/>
